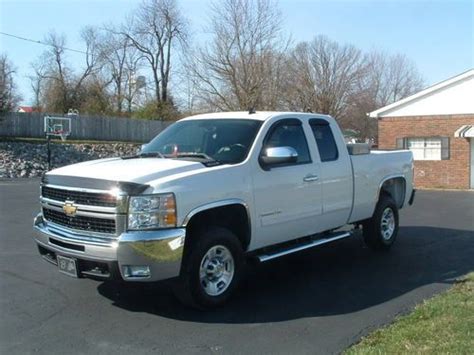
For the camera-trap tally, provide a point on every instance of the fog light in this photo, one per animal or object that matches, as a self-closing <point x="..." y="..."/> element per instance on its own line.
<point x="136" y="271"/>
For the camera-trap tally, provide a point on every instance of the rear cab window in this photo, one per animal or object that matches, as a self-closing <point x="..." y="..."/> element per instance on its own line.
<point x="325" y="141"/>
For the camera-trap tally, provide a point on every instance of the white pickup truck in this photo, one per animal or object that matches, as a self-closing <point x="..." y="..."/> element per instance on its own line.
<point x="212" y="191"/>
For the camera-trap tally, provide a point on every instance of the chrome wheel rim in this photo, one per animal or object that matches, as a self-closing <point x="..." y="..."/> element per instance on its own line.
<point x="216" y="270"/>
<point x="387" y="224"/>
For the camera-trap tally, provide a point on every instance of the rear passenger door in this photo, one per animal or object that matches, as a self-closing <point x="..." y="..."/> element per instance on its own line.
<point x="335" y="176"/>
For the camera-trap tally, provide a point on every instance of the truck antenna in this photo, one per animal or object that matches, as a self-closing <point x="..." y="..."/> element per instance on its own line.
<point x="252" y="110"/>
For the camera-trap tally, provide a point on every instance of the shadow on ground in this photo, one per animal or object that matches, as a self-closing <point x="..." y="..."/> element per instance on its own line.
<point x="341" y="278"/>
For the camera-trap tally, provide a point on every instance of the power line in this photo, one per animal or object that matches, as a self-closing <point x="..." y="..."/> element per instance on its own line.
<point x="39" y="42"/>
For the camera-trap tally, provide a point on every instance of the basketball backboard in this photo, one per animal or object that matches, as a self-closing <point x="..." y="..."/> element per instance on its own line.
<point x="57" y="126"/>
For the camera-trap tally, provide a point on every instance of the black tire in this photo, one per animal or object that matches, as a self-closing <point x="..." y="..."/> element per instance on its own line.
<point x="378" y="234"/>
<point x="189" y="289"/>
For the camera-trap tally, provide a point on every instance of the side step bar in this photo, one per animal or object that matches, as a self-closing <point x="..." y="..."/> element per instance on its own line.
<point x="314" y="243"/>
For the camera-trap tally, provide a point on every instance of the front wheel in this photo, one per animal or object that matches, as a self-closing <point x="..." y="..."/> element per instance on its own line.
<point x="211" y="269"/>
<point x="381" y="230"/>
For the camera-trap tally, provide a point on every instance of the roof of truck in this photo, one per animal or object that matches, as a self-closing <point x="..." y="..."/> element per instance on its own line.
<point x="258" y="115"/>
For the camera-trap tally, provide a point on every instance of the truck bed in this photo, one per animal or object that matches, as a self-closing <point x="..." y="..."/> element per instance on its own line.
<point x="370" y="172"/>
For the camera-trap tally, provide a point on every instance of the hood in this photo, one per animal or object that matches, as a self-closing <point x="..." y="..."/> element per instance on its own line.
<point x="137" y="170"/>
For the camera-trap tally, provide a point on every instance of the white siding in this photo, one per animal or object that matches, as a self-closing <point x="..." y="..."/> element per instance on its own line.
<point x="454" y="96"/>
<point x="457" y="98"/>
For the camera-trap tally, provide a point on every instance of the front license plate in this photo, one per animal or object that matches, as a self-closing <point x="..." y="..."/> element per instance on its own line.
<point x="67" y="265"/>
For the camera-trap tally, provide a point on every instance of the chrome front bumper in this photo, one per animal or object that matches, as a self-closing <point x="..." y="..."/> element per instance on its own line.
<point x="160" y="250"/>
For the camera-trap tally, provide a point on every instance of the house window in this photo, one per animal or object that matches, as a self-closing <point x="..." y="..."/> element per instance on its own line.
<point x="426" y="148"/>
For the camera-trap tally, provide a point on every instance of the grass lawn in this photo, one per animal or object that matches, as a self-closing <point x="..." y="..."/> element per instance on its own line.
<point x="443" y="324"/>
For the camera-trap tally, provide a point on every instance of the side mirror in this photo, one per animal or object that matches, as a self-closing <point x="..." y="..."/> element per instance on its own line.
<point x="279" y="155"/>
<point x="140" y="150"/>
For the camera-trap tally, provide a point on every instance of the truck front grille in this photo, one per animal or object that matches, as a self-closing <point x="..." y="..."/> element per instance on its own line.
<point x="90" y="224"/>
<point x="79" y="197"/>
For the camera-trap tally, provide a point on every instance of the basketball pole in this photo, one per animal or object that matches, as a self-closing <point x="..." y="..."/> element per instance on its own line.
<point x="54" y="126"/>
<point x="49" y="151"/>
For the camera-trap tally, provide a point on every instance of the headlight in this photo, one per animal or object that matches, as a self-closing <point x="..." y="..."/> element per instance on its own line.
<point x="152" y="212"/>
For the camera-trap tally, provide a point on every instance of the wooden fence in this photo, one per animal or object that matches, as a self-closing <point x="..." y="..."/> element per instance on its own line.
<point x="31" y="125"/>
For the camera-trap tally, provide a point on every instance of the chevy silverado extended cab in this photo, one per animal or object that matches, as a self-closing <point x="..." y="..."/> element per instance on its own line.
<point x="213" y="190"/>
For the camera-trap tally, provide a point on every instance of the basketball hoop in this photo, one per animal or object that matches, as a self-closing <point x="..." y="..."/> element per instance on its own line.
<point x="57" y="127"/>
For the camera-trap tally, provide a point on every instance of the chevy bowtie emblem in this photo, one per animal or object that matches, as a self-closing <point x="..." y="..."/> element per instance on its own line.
<point x="69" y="208"/>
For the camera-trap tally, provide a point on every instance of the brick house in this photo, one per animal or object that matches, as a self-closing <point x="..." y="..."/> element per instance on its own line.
<point x="437" y="125"/>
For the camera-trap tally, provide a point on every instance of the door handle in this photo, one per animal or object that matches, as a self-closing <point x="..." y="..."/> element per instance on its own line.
<point x="310" y="177"/>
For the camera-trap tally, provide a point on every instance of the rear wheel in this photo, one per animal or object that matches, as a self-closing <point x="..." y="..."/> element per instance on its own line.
<point x="211" y="269"/>
<point x="381" y="230"/>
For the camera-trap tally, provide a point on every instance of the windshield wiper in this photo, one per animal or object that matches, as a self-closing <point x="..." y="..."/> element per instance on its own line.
<point x="145" y="155"/>
<point x="194" y="155"/>
<point x="209" y="161"/>
<point x="151" y="155"/>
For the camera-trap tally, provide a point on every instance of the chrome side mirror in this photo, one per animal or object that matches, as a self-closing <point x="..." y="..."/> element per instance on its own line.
<point x="279" y="155"/>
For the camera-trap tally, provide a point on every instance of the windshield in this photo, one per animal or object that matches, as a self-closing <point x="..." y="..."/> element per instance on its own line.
<point x="225" y="141"/>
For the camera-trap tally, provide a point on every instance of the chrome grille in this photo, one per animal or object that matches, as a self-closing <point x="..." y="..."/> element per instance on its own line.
<point x="84" y="223"/>
<point x="97" y="213"/>
<point x="79" y="197"/>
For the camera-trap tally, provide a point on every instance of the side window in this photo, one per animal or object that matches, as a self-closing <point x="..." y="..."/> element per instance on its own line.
<point x="289" y="135"/>
<point x="325" y="140"/>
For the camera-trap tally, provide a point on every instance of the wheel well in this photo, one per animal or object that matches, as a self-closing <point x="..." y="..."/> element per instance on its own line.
<point x="395" y="188"/>
<point x="233" y="217"/>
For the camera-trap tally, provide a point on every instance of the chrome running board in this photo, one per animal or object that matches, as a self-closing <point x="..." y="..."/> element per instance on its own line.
<point x="313" y="243"/>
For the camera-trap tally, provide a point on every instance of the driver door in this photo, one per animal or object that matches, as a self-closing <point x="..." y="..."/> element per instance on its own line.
<point x="288" y="196"/>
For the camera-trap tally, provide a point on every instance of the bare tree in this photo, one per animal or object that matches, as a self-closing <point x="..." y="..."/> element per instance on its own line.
<point x="123" y="62"/>
<point x="324" y="75"/>
<point x="95" y="99"/>
<point x="62" y="88"/>
<point x="93" y="56"/>
<point x="134" y="84"/>
<point x="388" y="78"/>
<point x="340" y="80"/>
<point x="189" y="89"/>
<point x="56" y="73"/>
<point x="155" y="30"/>
<point x="240" y="69"/>
<point x="392" y="78"/>
<point x="37" y="82"/>
<point x="8" y="91"/>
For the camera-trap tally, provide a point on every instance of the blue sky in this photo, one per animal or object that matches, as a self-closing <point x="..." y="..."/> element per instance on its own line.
<point x="437" y="35"/>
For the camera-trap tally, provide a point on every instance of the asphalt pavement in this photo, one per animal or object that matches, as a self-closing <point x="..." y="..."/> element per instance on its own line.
<point x="319" y="301"/>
